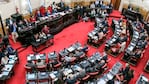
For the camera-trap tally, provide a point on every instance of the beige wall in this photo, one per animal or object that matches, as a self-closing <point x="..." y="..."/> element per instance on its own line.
<point x="9" y="8"/>
<point x="139" y="3"/>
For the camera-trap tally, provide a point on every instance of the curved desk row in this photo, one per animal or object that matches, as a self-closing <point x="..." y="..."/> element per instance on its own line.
<point x="97" y="36"/>
<point x="134" y="51"/>
<point x="111" y="45"/>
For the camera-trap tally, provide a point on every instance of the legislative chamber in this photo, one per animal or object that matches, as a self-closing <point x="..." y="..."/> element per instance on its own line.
<point x="74" y="42"/>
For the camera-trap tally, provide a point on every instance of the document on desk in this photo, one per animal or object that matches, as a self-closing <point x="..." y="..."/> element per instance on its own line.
<point x="109" y="76"/>
<point x="11" y="62"/>
<point x="62" y="13"/>
<point x="4" y="73"/>
<point x="29" y="58"/>
<point x="38" y="57"/>
<point x="31" y="76"/>
<point x="8" y="67"/>
<point x="130" y="48"/>
<point x="144" y="79"/>
<point x="12" y="56"/>
<point x="101" y="81"/>
<point x="67" y="71"/>
<point x="52" y="75"/>
<point x="70" y="49"/>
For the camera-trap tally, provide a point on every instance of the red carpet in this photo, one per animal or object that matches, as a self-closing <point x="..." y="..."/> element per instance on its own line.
<point x="75" y="32"/>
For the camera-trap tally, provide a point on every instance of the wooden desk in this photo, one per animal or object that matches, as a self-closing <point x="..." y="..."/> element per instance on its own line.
<point x="146" y="68"/>
<point x="55" y="23"/>
<point x="44" y="43"/>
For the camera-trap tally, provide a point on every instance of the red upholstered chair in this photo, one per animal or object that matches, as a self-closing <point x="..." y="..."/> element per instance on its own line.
<point x="78" y="82"/>
<point x="42" y="66"/>
<point x="104" y="66"/>
<point x="28" y="69"/>
<point x="31" y="82"/>
<point x="73" y="60"/>
<point x="93" y="73"/>
<point x="82" y="56"/>
<point x="45" y="81"/>
<point x="85" y="78"/>
<point x="57" y="66"/>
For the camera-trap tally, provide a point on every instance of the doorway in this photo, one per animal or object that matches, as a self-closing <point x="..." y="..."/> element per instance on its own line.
<point x="116" y="4"/>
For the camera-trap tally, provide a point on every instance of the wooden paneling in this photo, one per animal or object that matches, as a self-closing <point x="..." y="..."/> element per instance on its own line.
<point x="117" y="4"/>
<point x="1" y="31"/>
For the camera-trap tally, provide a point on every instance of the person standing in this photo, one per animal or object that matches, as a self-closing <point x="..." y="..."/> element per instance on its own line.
<point x="14" y="32"/>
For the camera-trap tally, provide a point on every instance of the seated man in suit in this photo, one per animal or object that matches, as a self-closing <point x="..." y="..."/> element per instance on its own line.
<point x="54" y="62"/>
<point x="92" y="6"/>
<point x="62" y="5"/>
<point x="85" y="18"/>
<point x="10" y="50"/>
<point x="71" y="79"/>
<point x="82" y="73"/>
<point x="32" y="65"/>
<point x="9" y="24"/>
<point x="97" y="3"/>
<point x="40" y="62"/>
<point x="35" y="38"/>
<point x="38" y="15"/>
<point x="130" y="7"/>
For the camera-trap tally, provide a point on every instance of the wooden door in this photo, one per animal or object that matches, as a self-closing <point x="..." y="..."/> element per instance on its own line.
<point x="116" y="4"/>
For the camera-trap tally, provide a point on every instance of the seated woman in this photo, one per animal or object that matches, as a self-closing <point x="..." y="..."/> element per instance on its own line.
<point x="42" y="35"/>
<point x="4" y="59"/>
<point x="45" y="29"/>
<point x="101" y="35"/>
<point x="32" y="19"/>
<point x="122" y="46"/>
<point x="115" y="49"/>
